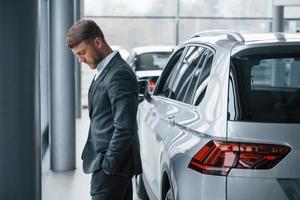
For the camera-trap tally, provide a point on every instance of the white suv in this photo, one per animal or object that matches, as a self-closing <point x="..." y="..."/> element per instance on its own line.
<point x="223" y="121"/>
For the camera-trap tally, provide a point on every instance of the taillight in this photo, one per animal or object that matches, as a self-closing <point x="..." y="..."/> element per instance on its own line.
<point x="151" y="85"/>
<point x="218" y="157"/>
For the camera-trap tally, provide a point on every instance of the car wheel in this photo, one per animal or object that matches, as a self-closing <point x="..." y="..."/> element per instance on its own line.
<point x="169" y="195"/>
<point x="140" y="188"/>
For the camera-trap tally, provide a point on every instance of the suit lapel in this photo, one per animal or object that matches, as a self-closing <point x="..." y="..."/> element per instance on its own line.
<point x="96" y="82"/>
<point x="89" y="93"/>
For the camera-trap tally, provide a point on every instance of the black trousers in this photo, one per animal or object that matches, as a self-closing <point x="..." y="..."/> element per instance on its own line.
<point x="110" y="187"/>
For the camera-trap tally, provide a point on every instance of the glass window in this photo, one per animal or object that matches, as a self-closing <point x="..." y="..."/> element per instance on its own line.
<point x="186" y="71"/>
<point x="167" y="77"/>
<point x="268" y="88"/>
<point x="202" y="81"/>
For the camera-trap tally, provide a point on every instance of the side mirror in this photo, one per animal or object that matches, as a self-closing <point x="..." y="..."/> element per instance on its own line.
<point x="143" y="91"/>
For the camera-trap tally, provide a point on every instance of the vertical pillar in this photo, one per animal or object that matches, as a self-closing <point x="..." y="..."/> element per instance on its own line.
<point x="44" y="74"/>
<point x="20" y="150"/>
<point x="62" y="123"/>
<point x="177" y="22"/>
<point x="278" y="16"/>
<point x="77" y="9"/>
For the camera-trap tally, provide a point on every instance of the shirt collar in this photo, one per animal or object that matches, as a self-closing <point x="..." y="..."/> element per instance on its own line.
<point x="101" y="66"/>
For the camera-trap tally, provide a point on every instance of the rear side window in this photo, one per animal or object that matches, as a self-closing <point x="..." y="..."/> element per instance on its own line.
<point x="197" y="81"/>
<point x="185" y="72"/>
<point x="202" y="81"/>
<point x="265" y="88"/>
<point x="185" y="79"/>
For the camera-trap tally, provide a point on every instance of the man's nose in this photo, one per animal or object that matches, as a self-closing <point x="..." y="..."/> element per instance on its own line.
<point x="81" y="59"/>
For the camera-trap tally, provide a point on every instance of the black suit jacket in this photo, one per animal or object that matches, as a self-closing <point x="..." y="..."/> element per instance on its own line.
<point x="112" y="142"/>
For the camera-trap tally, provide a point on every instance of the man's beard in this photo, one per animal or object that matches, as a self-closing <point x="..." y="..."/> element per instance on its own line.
<point x="98" y="59"/>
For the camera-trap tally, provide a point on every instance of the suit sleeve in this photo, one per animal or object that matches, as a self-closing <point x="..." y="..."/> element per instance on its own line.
<point x="123" y="96"/>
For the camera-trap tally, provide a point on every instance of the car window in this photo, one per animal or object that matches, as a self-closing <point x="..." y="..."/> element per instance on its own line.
<point x="172" y="78"/>
<point x="268" y="88"/>
<point x="202" y="81"/>
<point x="189" y="79"/>
<point x="167" y="77"/>
<point x="185" y="73"/>
<point x="189" y="92"/>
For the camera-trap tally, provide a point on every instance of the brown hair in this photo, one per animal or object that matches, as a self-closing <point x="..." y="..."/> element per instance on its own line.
<point x="82" y="30"/>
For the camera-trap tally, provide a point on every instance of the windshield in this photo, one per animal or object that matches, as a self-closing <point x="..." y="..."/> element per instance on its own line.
<point x="265" y="88"/>
<point x="152" y="61"/>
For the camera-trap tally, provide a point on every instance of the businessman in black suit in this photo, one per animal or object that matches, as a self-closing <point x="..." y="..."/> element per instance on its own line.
<point x="111" y="153"/>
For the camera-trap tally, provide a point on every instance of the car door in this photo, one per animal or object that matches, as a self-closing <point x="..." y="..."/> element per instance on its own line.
<point x="150" y="126"/>
<point x="172" y="114"/>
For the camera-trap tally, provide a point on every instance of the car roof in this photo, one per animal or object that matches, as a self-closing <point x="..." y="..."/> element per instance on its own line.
<point x="229" y="39"/>
<point x="271" y="37"/>
<point x="149" y="49"/>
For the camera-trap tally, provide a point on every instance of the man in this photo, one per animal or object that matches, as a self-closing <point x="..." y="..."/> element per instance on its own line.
<point x="111" y="152"/>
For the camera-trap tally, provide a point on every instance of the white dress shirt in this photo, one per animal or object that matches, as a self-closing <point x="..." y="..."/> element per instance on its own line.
<point x="101" y="66"/>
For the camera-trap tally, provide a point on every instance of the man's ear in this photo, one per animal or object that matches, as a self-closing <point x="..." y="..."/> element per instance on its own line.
<point x="98" y="42"/>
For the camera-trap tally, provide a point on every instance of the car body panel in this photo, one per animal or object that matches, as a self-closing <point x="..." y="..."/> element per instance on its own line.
<point x="186" y="129"/>
<point x="172" y="132"/>
<point x="281" y="181"/>
<point x="173" y="149"/>
<point x="268" y="133"/>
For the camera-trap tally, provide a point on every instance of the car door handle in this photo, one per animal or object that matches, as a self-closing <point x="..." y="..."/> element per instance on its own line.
<point x="171" y="120"/>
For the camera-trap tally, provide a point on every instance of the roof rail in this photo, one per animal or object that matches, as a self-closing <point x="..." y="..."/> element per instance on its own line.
<point x="232" y="35"/>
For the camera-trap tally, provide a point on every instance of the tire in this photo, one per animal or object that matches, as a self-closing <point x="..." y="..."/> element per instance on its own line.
<point x="140" y="188"/>
<point x="169" y="195"/>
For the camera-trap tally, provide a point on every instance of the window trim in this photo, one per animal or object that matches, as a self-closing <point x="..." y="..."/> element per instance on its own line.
<point x="188" y="65"/>
<point x="168" y="70"/>
<point x="184" y="47"/>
